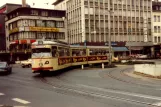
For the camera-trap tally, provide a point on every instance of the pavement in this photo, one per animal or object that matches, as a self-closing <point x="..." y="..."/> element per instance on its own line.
<point x="110" y="87"/>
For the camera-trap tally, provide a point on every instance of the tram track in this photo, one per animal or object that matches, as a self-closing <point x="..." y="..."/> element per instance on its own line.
<point x="122" y="72"/>
<point x="65" y="87"/>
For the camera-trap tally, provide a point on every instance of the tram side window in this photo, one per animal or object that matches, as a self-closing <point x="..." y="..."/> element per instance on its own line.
<point x="78" y="52"/>
<point x="54" y="51"/>
<point x="98" y="52"/>
<point x="63" y="52"/>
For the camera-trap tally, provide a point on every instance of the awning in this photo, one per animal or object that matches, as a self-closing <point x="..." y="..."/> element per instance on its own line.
<point x="137" y="48"/>
<point x="120" y="49"/>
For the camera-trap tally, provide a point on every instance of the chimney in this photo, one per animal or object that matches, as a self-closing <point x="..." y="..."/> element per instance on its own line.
<point x="23" y="3"/>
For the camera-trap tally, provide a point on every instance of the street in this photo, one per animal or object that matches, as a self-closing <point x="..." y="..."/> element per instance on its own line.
<point x="112" y="87"/>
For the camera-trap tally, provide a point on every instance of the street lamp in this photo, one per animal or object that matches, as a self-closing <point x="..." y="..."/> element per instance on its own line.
<point x="109" y="29"/>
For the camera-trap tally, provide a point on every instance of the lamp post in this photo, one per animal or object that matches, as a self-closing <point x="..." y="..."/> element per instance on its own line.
<point x="129" y="31"/>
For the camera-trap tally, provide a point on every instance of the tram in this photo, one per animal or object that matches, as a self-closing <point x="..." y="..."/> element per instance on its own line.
<point x="53" y="55"/>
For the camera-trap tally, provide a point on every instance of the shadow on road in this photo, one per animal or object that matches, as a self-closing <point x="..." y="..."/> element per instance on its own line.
<point x="53" y="73"/>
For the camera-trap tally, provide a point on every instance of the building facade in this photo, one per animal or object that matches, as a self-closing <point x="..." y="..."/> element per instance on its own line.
<point x="26" y="25"/>
<point x="156" y="17"/>
<point x="3" y="11"/>
<point x="156" y="27"/>
<point x="93" y="21"/>
<point x="60" y="4"/>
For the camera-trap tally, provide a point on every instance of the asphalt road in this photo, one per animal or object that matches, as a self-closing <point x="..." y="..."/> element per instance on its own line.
<point x="114" y="87"/>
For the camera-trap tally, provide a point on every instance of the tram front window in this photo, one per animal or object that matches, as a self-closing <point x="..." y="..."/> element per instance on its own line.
<point x="41" y="52"/>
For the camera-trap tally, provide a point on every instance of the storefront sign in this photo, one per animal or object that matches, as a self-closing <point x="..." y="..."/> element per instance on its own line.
<point x="97" y="58"/>
<point x="14" y="30"/>
<point x="44" y="29"/>
<point x="62" y="61"/>
<point x="79" y="59"/>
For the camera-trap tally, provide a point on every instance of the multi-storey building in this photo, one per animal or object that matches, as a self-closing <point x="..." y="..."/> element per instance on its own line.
<point x="3" y="11"/>
<point x="93" y="21"/>
<point x="156" y="26"/>
<point x="26" y="25"/>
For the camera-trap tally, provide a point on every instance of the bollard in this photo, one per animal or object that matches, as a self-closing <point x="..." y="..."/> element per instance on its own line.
<point x="103" y="66"/>
<point x="82" y="66"/>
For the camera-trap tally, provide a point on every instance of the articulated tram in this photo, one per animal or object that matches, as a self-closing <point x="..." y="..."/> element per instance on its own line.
<point x="52" y="56"/>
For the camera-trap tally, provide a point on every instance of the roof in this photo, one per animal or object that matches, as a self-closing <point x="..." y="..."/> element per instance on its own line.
<point x="34" y="9"/>
<point x="9" y="4"/>
<point x="57" y="2"/>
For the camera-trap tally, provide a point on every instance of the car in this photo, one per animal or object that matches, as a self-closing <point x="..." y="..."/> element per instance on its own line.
<point x="141" y="56"/>
<point x="5" y="68"/>
<point x="26" y="63"/>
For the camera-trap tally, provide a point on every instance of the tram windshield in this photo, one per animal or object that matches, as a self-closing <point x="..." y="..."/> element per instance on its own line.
<point x="41" y="52"/>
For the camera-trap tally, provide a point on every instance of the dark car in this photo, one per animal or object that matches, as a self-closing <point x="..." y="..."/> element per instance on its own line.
<point x="5" y="68"/>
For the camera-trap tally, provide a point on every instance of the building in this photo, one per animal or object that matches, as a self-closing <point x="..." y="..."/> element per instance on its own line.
<point x="2" y="33"/>
<point x="93" y="22"/>
<point x="60" y="4"/>
<point x="26" y="25"/>
<point x="156" y="17"/>
<point x="3" y="11"/>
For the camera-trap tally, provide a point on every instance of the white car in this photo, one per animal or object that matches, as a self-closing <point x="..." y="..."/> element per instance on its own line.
<point x="26" y="63"/>
<point x="140" y="56"/>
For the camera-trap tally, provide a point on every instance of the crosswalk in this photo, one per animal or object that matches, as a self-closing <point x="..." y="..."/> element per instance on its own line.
<point x="18" y="100"/>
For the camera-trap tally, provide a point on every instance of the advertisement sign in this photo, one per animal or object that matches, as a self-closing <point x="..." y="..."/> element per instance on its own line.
<point x="14" y="30"/>
<point x="79" y="59"/>
<point x="44" y="29"/>
<point x="97" y="58"/>
<point x="63" y="61"/>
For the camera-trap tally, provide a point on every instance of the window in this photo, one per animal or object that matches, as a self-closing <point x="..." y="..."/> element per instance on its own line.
<point x="60" y="24"/>
<point x="40" y="23"/>
<point x="78" y="52"/>
<point x="50" y="23"/>
<point x="155" y="18"/>
<point x="158" y="39"/>
<point x="34" y="12"/>
<point x="158" y="18"/>
<point x="63" y="52"/>
<point x="98" y="52"/>
<point x="54" y="51"/>
<point x="155" y="39"/>
<point x="155" y="29"/>
<point x="44" y="13"/>
<point x="158" y="29"/>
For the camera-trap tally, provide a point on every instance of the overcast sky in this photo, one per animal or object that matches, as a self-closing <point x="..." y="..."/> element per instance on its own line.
<point x="38" y="3"/>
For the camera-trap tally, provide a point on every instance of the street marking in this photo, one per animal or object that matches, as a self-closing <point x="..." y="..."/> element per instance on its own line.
<point x="20" y="101"/>
<point x="124" y="93"/>
<point x="1" y="94"/>
<point x="157" y="104"/>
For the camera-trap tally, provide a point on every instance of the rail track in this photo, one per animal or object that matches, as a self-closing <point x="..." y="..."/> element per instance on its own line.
<point x="65" y="87"/>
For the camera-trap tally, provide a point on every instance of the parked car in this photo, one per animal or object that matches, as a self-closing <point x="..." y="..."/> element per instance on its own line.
<point x="26" y="63"/>
<point x="141" y="56"/>
<point x="5" y="68"/>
